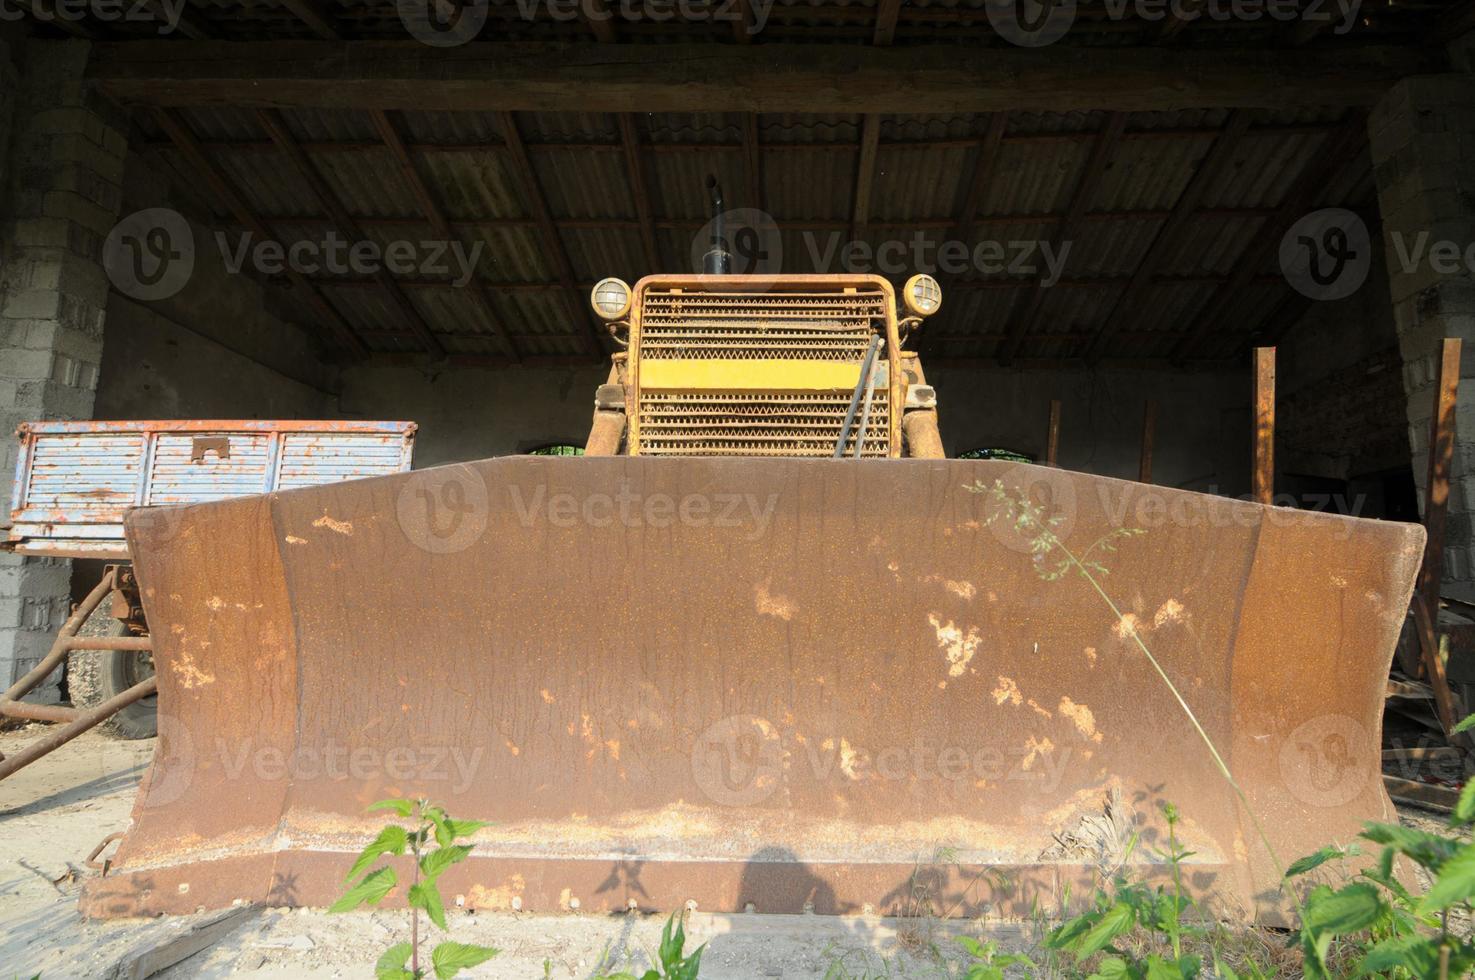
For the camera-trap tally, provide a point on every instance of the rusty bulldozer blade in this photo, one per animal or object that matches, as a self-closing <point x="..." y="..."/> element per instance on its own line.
<point x="791" y="684"/>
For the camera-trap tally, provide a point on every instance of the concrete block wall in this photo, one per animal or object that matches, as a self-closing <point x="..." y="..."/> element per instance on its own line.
<point x="61" y="198"/>
<point x="1422" y="136"/>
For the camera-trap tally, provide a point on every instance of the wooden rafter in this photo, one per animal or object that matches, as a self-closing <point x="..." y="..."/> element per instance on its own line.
<point x="1066" y="228"/>
<point x="744" y="26"/>
<point x="276" y="128"/>
<point x="1340" y="148"/>
<point x="985" y="163"/>
<point x="1173" y="24"/>
<point x="753" y="162"/>
<point x="498" y="76"/>
<point x="315" y="15"/>
<point x="741" y="146"/>
<point x="887" y="13"/>
<point x="639" y="190"/>
<point x="522" y="168"/>
<point x="601" y="22"/>
<point x="432" y="213"/>
<point x="1166" y="242"/>
<point x="865" y="175"/>
<point x="178" y="131"/>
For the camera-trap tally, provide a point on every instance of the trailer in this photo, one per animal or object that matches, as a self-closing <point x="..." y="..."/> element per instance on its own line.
<point x="74" y="483"/>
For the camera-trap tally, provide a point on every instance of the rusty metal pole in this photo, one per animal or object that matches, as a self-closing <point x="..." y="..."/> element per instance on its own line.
<point x="56" y="739"/>
<point x="1052" y="435"/>
<point x="1262" y="468"/>
<point x="1149" y="434"/>
<point x="1441" y="455"/>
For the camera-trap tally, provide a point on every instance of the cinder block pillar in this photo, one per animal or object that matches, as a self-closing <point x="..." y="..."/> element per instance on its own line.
<point x="1422" y="136"/>
<point x="62" y="188"/>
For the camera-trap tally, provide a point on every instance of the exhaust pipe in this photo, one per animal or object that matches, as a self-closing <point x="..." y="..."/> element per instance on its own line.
<point x="718" y="260"/>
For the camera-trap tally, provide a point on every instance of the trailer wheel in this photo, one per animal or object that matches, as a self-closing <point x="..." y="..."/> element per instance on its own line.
<point x="94" y="676"/>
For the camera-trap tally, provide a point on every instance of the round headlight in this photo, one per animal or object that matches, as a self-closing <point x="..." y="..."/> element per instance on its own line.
<point x="922" y="295"/>
<point x="610" y="298"/>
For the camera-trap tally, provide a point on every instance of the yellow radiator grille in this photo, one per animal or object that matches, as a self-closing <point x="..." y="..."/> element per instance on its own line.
<point x="719" y="423"/>
<point x="835" y="325"/>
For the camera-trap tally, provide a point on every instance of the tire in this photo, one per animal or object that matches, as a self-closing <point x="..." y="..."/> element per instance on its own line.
<point x="94" y="676"/>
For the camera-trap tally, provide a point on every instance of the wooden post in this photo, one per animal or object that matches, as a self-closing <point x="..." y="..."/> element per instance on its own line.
<point x="1441" y="453"/>
<point x="1052" y="435"/>
<point x="1262" y="465"/>
<point x="1149" y="434"/>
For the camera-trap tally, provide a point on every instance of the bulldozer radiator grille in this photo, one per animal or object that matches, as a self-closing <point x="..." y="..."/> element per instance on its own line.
<point x="745" y="423"/>
<point x="819" y="325"/>
<point x="833" y="326"/>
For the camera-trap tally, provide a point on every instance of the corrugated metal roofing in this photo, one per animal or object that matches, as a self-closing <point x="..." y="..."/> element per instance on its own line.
<point x="923" y="168"/>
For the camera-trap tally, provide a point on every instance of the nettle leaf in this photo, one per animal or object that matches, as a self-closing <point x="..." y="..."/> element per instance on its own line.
<point x="424" y="895"/>
<point x="1351" y="909"/>
<point x="372" y="889"/>
<point x="1465" y="724"/>
<point x="451" y="958"/>
<point x="403" y="807"/>
<point x="1118" y="919"/>
<point x="391" y="965"/>
<point x="1464" y="812"/>
<point x="1455" y="883"/>
<point x="438" y="818"/>
<point x="1429" y="850"/>
<point x="391" y="840"/>
<point x="465" y="828"/>
<point x="1416" y="954"/>
<point x="432" y="864"/>
<point x="1113" y="968"/>
<point x="1313" y="861"/>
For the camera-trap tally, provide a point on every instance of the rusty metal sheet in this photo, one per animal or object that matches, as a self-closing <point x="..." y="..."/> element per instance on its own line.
<point x="780" y="682"/>
<point x="74" y="480"/>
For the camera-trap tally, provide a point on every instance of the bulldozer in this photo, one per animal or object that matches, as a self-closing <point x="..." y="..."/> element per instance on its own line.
<point x="763" y="648"/>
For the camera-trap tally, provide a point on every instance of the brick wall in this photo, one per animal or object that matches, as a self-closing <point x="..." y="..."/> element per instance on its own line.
<point x="61" y="196"/>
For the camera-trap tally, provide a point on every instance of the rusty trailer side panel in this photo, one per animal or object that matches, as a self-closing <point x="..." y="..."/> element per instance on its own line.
<point x="74" y="480"/>
<point x="778" y="682"/>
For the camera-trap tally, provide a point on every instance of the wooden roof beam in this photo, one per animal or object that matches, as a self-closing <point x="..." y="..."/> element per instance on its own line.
<point x="1341" y="147"/>
<point x="1214" y="164"/>
<point x="522" y="169"/>
<point x="812" y="78"/>
<point x="428" y="207"/>
<point x="189" y="147"/>
<point x="887" y="13"/>
<point x="639" y="190"/>
<point x="315" y="15"/>
<point x="865" y="175"/>
<point x="276" y="128"/>
<point x="1086" y="186"/>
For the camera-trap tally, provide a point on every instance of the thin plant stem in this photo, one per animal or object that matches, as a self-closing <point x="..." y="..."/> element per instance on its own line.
<point x="1052" y="542"/>
<point x="414" y="912"/>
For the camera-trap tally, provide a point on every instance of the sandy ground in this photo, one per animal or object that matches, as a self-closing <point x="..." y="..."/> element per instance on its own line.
<point x="54" y="812"/>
